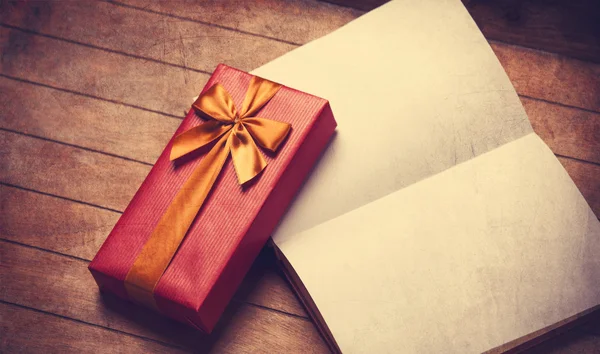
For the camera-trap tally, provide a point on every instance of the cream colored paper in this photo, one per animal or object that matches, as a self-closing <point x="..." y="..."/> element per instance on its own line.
<point x="427" y="80"/>
<point x="447" y="225"/>
<point x="469" y="259"/>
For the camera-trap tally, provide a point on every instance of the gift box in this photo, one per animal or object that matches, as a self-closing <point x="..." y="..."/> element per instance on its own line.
<point x="211" y="201"/>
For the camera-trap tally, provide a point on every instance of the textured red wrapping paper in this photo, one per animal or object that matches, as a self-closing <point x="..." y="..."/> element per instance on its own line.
<point x="234" y="223"/>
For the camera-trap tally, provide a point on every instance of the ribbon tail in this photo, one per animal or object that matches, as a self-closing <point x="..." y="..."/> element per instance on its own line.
<point x="216" y="103"/>
<point x="247" y="159"/>
<point x="166" y="238"/>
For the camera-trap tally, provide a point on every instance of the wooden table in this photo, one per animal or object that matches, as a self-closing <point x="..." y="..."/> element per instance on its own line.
<point x="92" y="91"/>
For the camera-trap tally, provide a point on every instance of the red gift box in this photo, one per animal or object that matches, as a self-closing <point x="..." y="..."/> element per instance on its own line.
<point x="235" y="220"/>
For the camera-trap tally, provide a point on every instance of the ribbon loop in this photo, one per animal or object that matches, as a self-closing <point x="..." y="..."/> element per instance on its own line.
<point x="260" y="91"/>
<point x="268" y="133"/>
<point x="216" y="103"/>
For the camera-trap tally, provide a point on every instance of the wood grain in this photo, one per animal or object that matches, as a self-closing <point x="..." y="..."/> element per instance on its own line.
<point x="84" y="121"/>
<point x="187" y="44"/>
<point x="536" y="24"/>
<point x="295" y="21"/>
<point x="78" y="230"/>
<point x="585" y="175"/>
<point x="551" y="77"/>
<point x="567" y="131"/>
<point x="265" y="286"/>
<point x="69" y="172"/>
<point x="148" y="84"/>
<point x="54" y="224"/>
<point x="28" y="331"/>
<point x="567" y="27"/>
<point x="63" y="286"/>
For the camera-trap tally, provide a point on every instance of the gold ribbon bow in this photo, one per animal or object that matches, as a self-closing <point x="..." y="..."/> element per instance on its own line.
<point x="238" y="133"/>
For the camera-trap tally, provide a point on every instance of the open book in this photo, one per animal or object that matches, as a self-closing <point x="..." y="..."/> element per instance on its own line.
<point x="437" y="220"/>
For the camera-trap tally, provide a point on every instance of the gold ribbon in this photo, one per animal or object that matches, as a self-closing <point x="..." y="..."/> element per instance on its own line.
<point x="235" y="132"/>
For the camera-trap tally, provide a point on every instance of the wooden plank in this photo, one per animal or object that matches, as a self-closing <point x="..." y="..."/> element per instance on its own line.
<point x="295" y="21"/>
<point x="63" y="286"/>
<point x="78" y="230"/>
<point x="141" y="33"/>
<point x="84" y="121"/>
<point x="148" y="84"/>
<point x="111" y="182"/>
<point x="28" y="331"/>
<point x="585" y="175"/>
<point x="551" y="77"/>
<point x="69" y="172"/>
<point x="53" y="224"/>
<point x="567" y="131"/>
<point x="567" y="27"/>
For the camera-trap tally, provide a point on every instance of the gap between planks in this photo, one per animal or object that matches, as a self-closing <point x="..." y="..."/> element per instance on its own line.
<point x="53" y="284"/>
<point x="52" y="314"/>
<point x="216" y="25"/>
<point x="64" y="226"/>
<point x="82" y="94"/>
<point x="258" y="279"/>
<point x="34" y="330"/>
<point x="87" y="261"/>
<point x="109" y="50"/>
